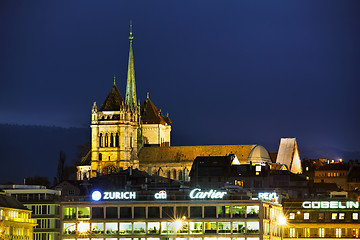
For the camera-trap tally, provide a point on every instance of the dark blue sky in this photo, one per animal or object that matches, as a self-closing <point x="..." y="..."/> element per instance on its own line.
<point x="228" y="72"/>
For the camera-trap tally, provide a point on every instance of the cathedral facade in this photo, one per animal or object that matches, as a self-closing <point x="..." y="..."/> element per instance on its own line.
<point x="120" y="128"/>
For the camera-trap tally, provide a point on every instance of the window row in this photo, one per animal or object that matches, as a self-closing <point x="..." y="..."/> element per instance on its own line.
<point x="322" y="232"/>
<point x="324" y="216"/>
<point x="44" y="209"/>
<point x="178" y="226"/>
<point x="111" y="140"/>
<point x="46" y="223"/>
<point x="206" y="238"/>
<point x="161" y="212"/>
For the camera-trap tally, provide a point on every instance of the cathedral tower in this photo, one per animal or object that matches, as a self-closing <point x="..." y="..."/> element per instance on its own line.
<point x="115" y="128"/>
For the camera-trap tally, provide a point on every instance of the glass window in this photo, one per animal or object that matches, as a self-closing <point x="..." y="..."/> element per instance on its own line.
<point x="341" y="216"/>
<point x="97" y="228"/>
<point x="238" y="227"/>
<point x="224" y="227"/>
<point x="338" y="232"/>
<point x="196" y="212"/>
<point x="83" y="212"/>
<point x="111" y="228"/>
<point x="153" y="212"/>
<point x="69" y="213"/>
<point x="181" y="226"/>
<point x="167" y="212"/>
<point x="292" y="232"/>
<point x="252" y="227"/>
<point x="125" y="212"/>
<point x="321" y="232"/>
<point x="321" y="216"/>
<point x="196" y="227"/>
<point x="333" y="216"/>
<point x="97" y="213"/>
<point x="166" y="228"/>
<point x="355" y="216"/>
<point x="292" y="216"/>
<point x="210" y="227"/>
<point x="111" y="212"/>
<point x="238" y="211"/>
<point x="139" y="227"/>
<point x="181" y="211"/>
<point x="252" y="211"/>
<point x="83" y="227"/>
<point x="139" y="212"/>
<point x="125" y="228"/>
<point x="210" y="212"/>
<point x="306" y="216"/>
<point x="224" y="211"/>
<point x="153" y="228"/>
<point x="69" y="228"/>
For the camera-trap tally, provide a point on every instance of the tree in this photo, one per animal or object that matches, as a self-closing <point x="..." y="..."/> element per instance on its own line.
<point x="37" y="180"/>
<point x="61" y="167"/>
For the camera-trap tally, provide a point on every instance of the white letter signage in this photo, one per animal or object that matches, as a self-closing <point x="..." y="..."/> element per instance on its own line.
<point x="330" y="204"/>
<point x="211" y="194"/>
<point x="96" y="195"/>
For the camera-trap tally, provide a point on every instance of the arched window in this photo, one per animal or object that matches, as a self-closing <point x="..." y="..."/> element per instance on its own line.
<point x="131" y="143"/>
<point x="169" y="174"/>
<point x="111" y="140"/>
<point x="117" y="140"/>
<point x="174" y="174"/>
<point x="100" y="156"/>
<point x="106" y="140"/>
<point x="101" y="140"/>
<point x="180" y="175"/>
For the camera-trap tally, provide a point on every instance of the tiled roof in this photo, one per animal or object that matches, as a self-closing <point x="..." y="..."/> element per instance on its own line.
<point x="149" y="155"/>
<point x="10" y="202"/>
<point x="113" y="101"/>
<point x="150" y="114"/>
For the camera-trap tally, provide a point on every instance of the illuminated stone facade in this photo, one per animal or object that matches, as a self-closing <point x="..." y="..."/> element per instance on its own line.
<point x="15" y="220"/>
<point x="120" y="128"/>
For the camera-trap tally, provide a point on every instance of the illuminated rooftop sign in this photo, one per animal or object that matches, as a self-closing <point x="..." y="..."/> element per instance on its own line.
<point x="211" y="194"/>
<point x="97" y="195"/>
<point x="330" y="204"/>
<point x="268" y="196"/>
<point x="160" y="195"/>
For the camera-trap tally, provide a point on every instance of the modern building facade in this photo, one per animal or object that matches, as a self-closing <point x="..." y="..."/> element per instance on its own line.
<point x="331" y="218"/>
<point x="194" y="214"/>
<point x="44" y="205"/>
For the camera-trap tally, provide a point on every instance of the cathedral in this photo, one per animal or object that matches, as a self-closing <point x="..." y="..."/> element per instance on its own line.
<point x="126" y="134"/>
<point x="120" y="128"/>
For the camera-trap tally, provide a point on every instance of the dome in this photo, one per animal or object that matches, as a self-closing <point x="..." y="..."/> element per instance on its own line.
<point x="259" y="155"/>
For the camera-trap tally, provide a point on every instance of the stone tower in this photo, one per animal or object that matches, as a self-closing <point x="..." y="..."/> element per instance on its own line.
<point x="115" y="128"/>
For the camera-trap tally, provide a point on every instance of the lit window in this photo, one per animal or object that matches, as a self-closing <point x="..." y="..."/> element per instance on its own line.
<point x="341" y="216"/>
<point x="321" y="232"/>
<point x="334" y="216"/>
<point x="307" y="232"/>
<point x="292" y="216"/>
<point x="292" y="232"/>
<point x="355" y="216"/>
<point x="306" y="216"/>
<point x="258" y="168"/>
<point x="338" y="232"/>
<point x="307" y="169"/>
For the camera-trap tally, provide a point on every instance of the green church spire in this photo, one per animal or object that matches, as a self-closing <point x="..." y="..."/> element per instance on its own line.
<point x="130" y="98"/>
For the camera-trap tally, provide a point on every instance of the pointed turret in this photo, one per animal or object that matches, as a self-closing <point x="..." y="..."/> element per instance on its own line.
<point x="130" y="98"/>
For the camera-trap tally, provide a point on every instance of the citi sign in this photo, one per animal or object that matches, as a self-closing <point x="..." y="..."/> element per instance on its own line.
<point x="330" y="204"/>
<point x="97" y="195"/>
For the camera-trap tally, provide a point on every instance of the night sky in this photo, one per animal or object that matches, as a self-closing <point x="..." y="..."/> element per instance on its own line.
<point x="227" y="72"/>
